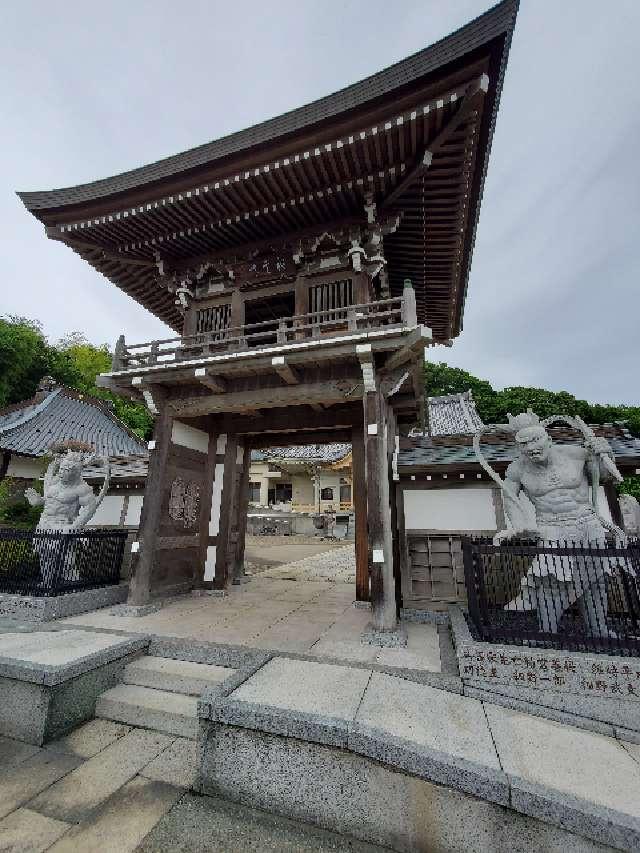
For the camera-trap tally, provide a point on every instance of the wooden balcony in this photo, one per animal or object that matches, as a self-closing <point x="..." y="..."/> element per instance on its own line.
<point x="398" y="313"/>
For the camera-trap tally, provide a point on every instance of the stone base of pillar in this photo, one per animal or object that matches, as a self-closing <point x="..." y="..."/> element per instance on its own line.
<point x="372" y="636"/>
<point x="135" y="609"/>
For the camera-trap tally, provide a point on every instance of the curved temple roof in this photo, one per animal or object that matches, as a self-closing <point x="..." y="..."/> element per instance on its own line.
<point x="30" y="428"/>
<point x="416" y="135"/>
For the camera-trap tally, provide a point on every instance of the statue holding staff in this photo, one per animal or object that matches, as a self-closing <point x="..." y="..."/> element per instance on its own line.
<point x="550" y="494"/>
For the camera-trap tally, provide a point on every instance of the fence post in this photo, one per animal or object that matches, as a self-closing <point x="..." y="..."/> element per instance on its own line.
<point x="470" y="583"/>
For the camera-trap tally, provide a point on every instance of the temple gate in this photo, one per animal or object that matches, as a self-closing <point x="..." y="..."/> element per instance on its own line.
<point x="304" y="265"/>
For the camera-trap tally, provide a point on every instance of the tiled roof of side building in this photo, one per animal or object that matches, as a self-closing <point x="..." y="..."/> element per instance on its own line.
<point x="453" y="414"/>
<point x="496" y="22"/>
<point x="63" y="415"/>
<point x="423" y="453"/>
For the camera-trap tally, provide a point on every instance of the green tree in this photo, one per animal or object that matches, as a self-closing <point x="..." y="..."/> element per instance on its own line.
<point x="88" y="361"/>
<point x="25" y="357"/>
<point x="493" y="406"/>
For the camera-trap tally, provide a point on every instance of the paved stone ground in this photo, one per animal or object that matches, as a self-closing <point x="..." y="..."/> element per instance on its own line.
<point x="335" y="566"/>
<point x="111" y="788"/>
<point x="267" y="552"/>
<point x="308" y="616"/>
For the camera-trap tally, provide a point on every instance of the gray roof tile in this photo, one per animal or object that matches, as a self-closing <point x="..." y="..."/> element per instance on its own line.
<point x="65" y="415"/>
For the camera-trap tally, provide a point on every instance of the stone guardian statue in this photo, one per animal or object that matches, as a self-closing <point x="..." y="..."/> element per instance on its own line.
<point x="69" y="502"/>
<point x="550" y="494"/>
<point x="68" y="505"/>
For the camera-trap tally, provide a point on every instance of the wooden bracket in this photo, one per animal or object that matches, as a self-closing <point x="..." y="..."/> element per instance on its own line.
<point x="285" y="371"/>
<point x="214" y="383"/>
<point x="415" y="343"/>
<point x="365" y="357"/>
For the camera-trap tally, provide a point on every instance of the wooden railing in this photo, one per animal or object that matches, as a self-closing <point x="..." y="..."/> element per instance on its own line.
<point x="333" y="322"/>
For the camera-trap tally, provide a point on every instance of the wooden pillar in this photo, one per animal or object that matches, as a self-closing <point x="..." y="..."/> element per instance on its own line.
<point x="189" y="324"/>
<point x="383" y="594"/>
<point x="140" y="584"/>
<point x="302" y="299"/>
<point x="359" y="496"/>
<point x="227" y="511"/>
<point x="241" y="512"/>
<point x="361" y="289"/>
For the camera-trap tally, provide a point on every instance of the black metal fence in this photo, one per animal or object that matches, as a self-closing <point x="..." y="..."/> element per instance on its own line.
<point x="52" y="563"/>
<point x="558" y="595"/>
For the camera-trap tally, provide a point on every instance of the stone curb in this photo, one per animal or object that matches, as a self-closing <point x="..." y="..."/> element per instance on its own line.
<point x="429" y="764"/>
<point x="47" y="608"/>
<point x="575" y="814"/>
<point x="51" y="674"/>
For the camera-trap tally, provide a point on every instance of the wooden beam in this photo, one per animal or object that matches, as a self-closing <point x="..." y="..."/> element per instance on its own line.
<point x="327" y="392"/>
<point x="214" y="383"/>
<point x="284" y="370"/>
<point x="320" y="436"/>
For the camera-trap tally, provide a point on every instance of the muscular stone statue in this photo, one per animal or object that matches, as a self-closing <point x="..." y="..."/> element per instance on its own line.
<point x="550" y="494"/>
<point x="69" y="502"/>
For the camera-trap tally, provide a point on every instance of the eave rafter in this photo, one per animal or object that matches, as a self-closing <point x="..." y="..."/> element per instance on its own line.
<point x="332" y="162"/>
<point x="415" y="165"/>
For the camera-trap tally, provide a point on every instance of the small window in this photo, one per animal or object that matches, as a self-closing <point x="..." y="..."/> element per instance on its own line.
<point x="254" y="493"/>
<point x="281" y="493"/>
<point x="326" y="494"/>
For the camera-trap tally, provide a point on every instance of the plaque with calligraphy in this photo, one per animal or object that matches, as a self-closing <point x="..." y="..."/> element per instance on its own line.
<point x="266" y="266"/>
<point x="580" y="674"/>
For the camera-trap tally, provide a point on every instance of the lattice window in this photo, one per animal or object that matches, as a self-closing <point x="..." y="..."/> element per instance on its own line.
<point x="331" y="294"/>
<point x="214" y="320"/>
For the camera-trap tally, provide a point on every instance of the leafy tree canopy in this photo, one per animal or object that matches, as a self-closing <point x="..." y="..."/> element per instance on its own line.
<point x="26" y="356"/>
<point x="493" y="406"/>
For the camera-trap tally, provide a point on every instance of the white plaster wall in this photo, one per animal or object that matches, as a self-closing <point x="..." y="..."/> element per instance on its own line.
<point x="210" y="563"/>
<point x="216" y="501"/>
<point x="134" y="509"/>
<point x="25" y="467"/>
<point x="449" y="509"/>
<point x="188" y="436"/>
<point x="303" y="491"/>
<point x="109" y="511"/>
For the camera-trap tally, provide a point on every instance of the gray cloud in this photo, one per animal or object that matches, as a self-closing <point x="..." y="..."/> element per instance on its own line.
<point x="553" y="300"/>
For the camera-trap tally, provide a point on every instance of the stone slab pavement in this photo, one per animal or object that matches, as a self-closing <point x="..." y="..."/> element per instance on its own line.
<point x="579" y="780"/>
<point x="111" y="788"/>
<point x="303" y="616"/>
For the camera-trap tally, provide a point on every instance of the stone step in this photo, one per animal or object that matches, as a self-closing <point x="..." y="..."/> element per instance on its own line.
<point x="174" y="676"/>
<point x="159" y="710"/>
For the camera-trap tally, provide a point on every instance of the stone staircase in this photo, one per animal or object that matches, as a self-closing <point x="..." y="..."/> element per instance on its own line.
<point x="160" y="694"/>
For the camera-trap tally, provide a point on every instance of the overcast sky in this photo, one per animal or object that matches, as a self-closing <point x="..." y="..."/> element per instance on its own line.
<point x="89" y="90"/>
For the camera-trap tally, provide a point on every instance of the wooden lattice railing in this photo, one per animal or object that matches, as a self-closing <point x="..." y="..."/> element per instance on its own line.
<point x="385" y="313"/>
